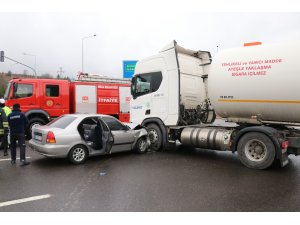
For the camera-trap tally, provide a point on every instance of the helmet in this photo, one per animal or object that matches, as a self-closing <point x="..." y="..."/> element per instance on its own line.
<point x="2" y="101"/>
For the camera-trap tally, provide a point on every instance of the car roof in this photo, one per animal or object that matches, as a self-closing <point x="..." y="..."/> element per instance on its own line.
<point x="84" y="115"/>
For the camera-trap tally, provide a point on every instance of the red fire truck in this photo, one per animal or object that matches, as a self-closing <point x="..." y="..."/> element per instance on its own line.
<point x="44" y="99"/>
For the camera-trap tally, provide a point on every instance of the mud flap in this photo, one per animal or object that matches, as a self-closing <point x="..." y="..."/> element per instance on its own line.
<point x="284" y="160"/>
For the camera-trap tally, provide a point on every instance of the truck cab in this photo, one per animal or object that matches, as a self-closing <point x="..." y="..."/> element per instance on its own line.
<point x="169" y="89"/>
<point x="40" y="99"/>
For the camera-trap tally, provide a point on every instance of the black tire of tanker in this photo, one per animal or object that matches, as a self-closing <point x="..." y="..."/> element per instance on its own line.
<point x="32" y="122"/>
<point x="256" y="150"/>
<point x="155" y="136"/>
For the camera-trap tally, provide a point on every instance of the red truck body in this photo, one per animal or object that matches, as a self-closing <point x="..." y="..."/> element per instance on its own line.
<point x="44" y="99"/>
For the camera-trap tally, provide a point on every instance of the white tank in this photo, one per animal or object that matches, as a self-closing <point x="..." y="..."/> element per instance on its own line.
<point x="262" y="80"/>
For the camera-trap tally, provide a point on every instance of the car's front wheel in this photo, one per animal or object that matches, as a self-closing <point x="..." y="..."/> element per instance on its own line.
<point x="78" y="154"/>
<point x="141" y="145"/>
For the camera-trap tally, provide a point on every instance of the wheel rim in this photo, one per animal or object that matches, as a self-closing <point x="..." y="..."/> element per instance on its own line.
<point x="78" y="154"/>
<point x="153" y="136"/>
<point x="255" y="150"/>
<point x="142" y="146"/>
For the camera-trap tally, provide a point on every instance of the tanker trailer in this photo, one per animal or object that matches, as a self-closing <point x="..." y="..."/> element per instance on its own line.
<point x="254" y="87"/>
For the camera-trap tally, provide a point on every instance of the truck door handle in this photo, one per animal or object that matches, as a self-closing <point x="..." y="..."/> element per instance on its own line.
<point x="147" y="112"/>
<point x="31" y="104"/>
<point x="57" y="104"/>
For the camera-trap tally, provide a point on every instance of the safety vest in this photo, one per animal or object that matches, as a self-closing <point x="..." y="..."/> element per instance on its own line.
<point x="7" y="110"/>
<point x="3" y="122"/>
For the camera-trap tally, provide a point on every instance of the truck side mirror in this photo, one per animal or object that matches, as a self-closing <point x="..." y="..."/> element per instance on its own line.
<point x="133" y="87"/>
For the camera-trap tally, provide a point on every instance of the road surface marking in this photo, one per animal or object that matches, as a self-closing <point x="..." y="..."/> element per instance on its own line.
<point x="10" y="159"/>
<point x="22" y="200"/>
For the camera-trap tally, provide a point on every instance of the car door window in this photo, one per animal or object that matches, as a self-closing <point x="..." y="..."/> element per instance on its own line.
<point x="103" y="125"/>
<point x="113" y="124"/>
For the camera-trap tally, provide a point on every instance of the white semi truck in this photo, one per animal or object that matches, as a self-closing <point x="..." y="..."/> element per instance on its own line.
<point x="178" y="93"/>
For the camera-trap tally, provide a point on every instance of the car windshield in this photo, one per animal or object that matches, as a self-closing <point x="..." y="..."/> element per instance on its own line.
<point x="62" y="122"/>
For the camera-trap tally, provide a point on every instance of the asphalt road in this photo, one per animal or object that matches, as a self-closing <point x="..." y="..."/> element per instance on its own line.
<point x="174" y="180"/>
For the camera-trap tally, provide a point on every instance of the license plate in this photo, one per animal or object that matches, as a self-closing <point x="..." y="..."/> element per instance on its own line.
<point x="38" y="137"/>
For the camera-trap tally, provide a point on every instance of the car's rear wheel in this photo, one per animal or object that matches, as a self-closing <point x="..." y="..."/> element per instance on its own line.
<point x="141" y="145"/>
<point x="78" y="154"/>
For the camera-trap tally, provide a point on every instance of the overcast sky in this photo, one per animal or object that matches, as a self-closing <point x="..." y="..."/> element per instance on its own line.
<point x="56" y="38"/>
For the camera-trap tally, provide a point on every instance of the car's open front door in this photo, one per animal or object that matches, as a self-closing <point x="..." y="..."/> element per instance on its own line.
<point x="107" y="137"/>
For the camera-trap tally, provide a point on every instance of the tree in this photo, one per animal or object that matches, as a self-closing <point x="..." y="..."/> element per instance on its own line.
<point x="3" y="85"/>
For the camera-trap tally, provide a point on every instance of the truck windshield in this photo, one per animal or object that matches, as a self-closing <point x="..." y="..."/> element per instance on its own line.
<point x="62" y="122"/>
<point x="7" y="91"/>
<point x="23" y="90"/>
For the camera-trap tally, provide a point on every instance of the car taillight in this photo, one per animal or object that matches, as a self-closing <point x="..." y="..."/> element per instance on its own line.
<point x="285" y="145"/>
<point x="50" y="137"/>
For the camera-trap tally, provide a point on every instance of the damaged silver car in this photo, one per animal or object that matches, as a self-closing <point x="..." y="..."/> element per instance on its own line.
<point x="78" y="136"/>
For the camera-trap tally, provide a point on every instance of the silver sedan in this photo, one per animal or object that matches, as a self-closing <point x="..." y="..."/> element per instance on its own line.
<point x="77" y="136"/>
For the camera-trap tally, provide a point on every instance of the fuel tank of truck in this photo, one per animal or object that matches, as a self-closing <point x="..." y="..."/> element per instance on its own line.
<point x="260" y="81"/>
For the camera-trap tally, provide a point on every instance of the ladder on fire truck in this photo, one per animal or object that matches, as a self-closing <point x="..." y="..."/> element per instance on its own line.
<point x="99" y="78"/>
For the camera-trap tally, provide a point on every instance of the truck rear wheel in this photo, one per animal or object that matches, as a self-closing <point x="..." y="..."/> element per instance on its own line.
<point x="256" y="150"/>
<point x="155" y="136"/>
<point x="33" y="122"/>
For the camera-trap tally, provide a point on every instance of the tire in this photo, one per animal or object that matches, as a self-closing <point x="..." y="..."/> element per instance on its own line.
<point x="32" y="122"/>
<point x="256" y="150"/>
<point x="141" y="145"/>
<point x="78" y="154"/>
<point x="155" y="136"/>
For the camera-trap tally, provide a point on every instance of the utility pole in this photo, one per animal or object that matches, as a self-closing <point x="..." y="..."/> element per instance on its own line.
<point x="34" y="60"/>
<point x="60" y="72"/>
<point x="82" y="39"/>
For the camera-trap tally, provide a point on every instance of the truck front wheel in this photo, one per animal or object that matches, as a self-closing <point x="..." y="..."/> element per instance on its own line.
<point x="155" y="137"/>
<point x="256" y="150"/>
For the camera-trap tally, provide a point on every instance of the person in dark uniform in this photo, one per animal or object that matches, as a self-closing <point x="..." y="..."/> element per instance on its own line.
<point x="17" y="123"/>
